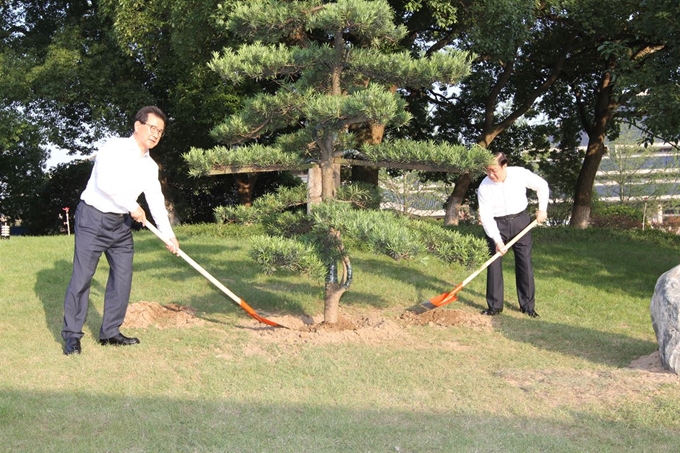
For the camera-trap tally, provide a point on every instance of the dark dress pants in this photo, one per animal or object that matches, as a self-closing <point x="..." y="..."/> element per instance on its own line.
<point x="97" y="232"/>
<point x="524" y="271"/>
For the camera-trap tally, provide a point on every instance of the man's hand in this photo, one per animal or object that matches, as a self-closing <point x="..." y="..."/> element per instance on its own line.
<point x="500" y="248"/>
<point x="541" y="216"/>
<point x="173" y="245"/>
<point x="139" y="215"/>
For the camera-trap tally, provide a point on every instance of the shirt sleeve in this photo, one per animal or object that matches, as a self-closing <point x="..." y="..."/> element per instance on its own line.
<point x="156" y="201"/>
<point x="540" y="185"/>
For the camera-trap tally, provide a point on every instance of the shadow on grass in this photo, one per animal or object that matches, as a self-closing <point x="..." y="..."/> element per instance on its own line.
<point x="596" y="346"/>
<point x="45" y="421"/>
<point x="608" y="260"/>
<point x="50" y="288"/>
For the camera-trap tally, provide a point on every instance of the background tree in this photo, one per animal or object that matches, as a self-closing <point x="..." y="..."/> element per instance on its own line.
<point x="562" y="60"/>
<point x="79" y="71"/>
<point x="21" y="162"/>
<point x="61" y="188"/>
<point x="622" y="56"/>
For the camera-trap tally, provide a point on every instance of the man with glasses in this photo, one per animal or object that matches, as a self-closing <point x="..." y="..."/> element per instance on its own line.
<point x="123" y="170"/>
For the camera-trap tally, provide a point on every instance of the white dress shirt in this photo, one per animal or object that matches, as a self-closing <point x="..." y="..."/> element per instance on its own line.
<point x="498" y="199"/>
<point x="120" y="174"/>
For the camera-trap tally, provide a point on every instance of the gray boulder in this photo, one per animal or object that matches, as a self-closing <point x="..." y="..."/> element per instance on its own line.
<point x="665" y="311"/>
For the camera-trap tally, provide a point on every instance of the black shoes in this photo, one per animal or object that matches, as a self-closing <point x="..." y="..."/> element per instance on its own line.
<point x="72" y="346"/>
<point x="119" y="340"/>
<point x="529" y="313"/>
<point x="495" y="311"/>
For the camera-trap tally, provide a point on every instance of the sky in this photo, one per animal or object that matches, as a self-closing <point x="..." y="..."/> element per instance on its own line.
<point x="58" y="156"/>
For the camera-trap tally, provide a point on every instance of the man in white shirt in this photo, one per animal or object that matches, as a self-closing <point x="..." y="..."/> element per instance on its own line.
<point x="123" y="170"/>
<point x="502" y="197"/>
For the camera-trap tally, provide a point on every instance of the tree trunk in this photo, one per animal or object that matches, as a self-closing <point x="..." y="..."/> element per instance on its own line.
<point x="169" y="200"/>
<point x="335" y="288"/>
<point x="328" y="177"/>
<point x="245" y="183"/>
<point x="580" y="214"/>
<point x="454" y="201"/>
<point x="370" y="134"/>
<point x="605" y="105"/>
<point x="332" y="294"/>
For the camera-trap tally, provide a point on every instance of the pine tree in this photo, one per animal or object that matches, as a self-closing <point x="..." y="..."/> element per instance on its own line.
<point x="325" y="67"/>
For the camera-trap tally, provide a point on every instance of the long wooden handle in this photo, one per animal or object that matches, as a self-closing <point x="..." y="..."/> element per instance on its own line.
<point x="242" y="303"/>
<point x="498" y="254"/>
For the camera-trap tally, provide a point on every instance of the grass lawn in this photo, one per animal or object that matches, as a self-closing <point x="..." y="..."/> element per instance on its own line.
<point x="559" y="383"/>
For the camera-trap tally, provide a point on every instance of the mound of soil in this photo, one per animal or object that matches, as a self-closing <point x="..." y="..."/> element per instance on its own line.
<point x="143" y="314"/>
<point x="366" y="327"/>
<point x="651" y="363"/>
<point x="447" y="318"/>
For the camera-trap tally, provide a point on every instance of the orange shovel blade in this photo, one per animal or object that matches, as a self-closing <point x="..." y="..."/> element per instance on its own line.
<point x="442" y="299"/>
<point x="254" y="314"/>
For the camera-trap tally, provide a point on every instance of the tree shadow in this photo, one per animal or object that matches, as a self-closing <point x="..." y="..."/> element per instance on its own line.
<point x="589" y="259"/>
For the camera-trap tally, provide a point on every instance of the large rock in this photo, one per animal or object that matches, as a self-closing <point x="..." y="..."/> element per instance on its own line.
<point x="665" y="311"/>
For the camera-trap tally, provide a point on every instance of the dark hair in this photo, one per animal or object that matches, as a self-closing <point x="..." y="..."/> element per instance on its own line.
<point x="500" y="158"/>
<point x="144" y="113"/>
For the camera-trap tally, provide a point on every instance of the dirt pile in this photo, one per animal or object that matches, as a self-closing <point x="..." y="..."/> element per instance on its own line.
<point x="143" y="314"/>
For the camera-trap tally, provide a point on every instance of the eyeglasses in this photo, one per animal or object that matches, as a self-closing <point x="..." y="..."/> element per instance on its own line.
<point x="154" y="129"/>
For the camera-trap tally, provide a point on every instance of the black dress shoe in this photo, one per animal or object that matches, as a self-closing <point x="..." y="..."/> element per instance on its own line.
<point x="492" y="311"/>
<point x="119" y="340"/>
<point x="72" y="346"/>
<point x="530" y="313"/>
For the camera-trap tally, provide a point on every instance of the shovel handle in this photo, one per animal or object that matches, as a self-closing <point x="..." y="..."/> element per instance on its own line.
<point x="488" y="262"/>
<point x="242" y="303"/>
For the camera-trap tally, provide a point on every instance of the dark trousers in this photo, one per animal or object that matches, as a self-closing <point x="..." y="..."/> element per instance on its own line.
<point x="524" y="270"/>
<point x="97" y="232"/>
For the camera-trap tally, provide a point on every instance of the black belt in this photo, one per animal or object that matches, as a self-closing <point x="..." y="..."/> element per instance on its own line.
<point x="509" y="216"/>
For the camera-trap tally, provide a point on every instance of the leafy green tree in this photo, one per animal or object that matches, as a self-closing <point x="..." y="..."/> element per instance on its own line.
<point x="21" y="162"/>
<point x="81" y="70"/>
<point x="626" y="53"/>
<point x="60" y="189"/>
<point x="579" y="66"/>
<point x="330" y="66"/>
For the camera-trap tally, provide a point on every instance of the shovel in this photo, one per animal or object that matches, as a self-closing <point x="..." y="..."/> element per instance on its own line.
<point x="240" y="302"/>
<point x="447" y="298"/>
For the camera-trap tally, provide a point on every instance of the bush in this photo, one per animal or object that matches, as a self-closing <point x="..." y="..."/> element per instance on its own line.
<point x="616" y="216"/>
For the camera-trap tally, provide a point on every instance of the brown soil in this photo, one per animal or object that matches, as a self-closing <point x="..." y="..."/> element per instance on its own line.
<point x="365" y="327"/>
<point x="141" y="315"/>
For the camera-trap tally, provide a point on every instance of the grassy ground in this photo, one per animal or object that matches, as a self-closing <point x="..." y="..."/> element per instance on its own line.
<point x="560" y="383"/>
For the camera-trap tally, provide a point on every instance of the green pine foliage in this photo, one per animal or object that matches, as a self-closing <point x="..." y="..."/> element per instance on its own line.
<point x="275" y="253"/>
<point x="268" y="205"/>
<point x="332" y="65"/>
<point x="451" y="246"/>
<point x="201" y="162"/>
<point x="429" y="152"/>
<point x="382" y="232"/>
